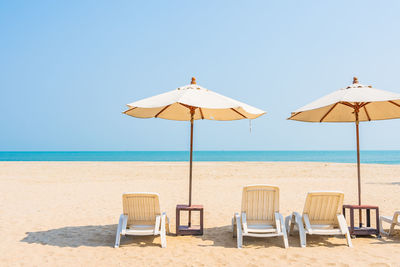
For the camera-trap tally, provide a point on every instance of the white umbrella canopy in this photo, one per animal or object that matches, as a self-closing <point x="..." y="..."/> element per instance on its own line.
<point x="206" y="104"/>
<point x="353" y="103"/>
<point x="189" y="103"/>
<point x="340" y="106"/>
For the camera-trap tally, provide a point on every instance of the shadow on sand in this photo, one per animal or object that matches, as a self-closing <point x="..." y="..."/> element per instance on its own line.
<point x="222" y="237"/>
<point x="104" y="236"/>
<point x="88" y="235"/>
<point x="393" y="239"/>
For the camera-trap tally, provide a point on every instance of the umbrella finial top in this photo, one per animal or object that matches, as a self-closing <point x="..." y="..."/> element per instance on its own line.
<point x="193" y="80"/>
<point x="355" y="80"/>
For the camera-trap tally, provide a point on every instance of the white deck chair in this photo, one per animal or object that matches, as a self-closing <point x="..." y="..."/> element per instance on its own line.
<point x="322" y="215"/>
<point x="393" y="220"/>
<point x="260" y="215"/>
<point x="141" y="216"/>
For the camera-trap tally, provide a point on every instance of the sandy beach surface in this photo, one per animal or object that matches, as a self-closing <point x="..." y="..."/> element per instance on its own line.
<point x="66" y="213"/>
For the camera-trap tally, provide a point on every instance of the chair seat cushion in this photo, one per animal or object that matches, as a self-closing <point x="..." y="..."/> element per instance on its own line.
<point x="140" y="227"/>
<point x="323" y="226"/>
<point x="265" y="228"/>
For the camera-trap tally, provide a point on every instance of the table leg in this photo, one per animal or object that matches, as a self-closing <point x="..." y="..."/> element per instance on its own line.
<point x="368" y="212"/>
<point x="177" y="219"/>
<point x="201" y="221"/>
<point x="190" y="218"/>
<point x="352" y="221"/>
<point x="377" y="223"/>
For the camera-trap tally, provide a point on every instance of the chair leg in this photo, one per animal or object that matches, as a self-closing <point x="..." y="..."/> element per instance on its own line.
<point x="344" y="229"/>
<point x="348" y="239"/>
<point x="303" y="238"/>
<point x="298" y="220"/>
<point x="117" y="238"/>
<point x="119" y="231"/>
<point x="287" y="224"/>
<point x="162" y="231"/>
<point x="381" y="227"/>
<point x="283" y="228"/>
<point x="239" y="231"/>
<point x="302" y="234"/>
<point x="391" y="228"/>
<point x="167" y="226"/>
<point x="234" y="231"/>
<point x="285" y="240"/>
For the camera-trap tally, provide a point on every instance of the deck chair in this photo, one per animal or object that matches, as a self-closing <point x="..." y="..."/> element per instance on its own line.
<point x="141" y="216"/>
<point x="393" y="220"/>
<point x="260" y="215"/>
<point x="322" y="215"/>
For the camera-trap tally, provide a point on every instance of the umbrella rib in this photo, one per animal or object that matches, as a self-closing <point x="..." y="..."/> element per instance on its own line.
<point x="190" y="107"/>
<point x="126" y="111"/>
<point x="366" y="112"/>
<point x="329" y="111"/>
<point x="162" y="110"/>
<point x="294" y="114"/>
<point x="394" y="103"/>
<point x="347" y="104"/>
<point x="364" y="104"/>
<point x="187" y="106"/>
<point x="201" y="113"/>
<point x="239" y="113"/>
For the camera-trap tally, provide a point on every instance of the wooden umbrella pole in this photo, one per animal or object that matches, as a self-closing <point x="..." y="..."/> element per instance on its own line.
<point x="191" y="163"/>
<point x="358" y="163"/>
<point x="192" y="111"/>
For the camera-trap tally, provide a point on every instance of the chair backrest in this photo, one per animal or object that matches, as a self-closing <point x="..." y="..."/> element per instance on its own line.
<point x="260" y="202"/>
<point x="323" y="207"/>
<point x="141" y="208"/>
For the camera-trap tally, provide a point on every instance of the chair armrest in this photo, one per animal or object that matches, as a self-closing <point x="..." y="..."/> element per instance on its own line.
<point x="282" y="222"/>
<point x="244" y="222"/>
<point x="298" y="219"/>
<point x="163" y="221"/>
<point x="342" y="223"/>
<point x="295" y="217"/>
<point x="307" y="223"/>
<point x="238" y="225"/>
<point x="157" y="225"/>
<point x="123" y="221"/>
<point x="278" y="222"/>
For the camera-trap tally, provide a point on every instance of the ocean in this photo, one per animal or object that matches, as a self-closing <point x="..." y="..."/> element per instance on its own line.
<point x="375" y="157"/>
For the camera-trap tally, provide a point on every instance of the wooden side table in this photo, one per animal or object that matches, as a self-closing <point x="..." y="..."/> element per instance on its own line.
<point x="189" y="229"/>
<point x="368" y="230"/>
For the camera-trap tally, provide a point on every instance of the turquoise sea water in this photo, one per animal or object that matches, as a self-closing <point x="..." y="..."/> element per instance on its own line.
<point x="380" y="157"/>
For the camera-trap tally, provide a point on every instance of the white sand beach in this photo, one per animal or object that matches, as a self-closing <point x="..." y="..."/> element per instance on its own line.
<point x="66" y="213"/>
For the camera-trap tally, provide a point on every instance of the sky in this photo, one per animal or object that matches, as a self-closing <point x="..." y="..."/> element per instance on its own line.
<point x="68" y="68"/>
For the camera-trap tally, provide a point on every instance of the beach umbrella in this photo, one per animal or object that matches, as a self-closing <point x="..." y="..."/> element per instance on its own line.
<point x="353" y="103"/>
<point x="189" y="103"/>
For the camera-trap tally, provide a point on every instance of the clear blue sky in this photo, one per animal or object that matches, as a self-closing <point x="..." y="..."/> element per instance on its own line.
<point x="67" y="69"/>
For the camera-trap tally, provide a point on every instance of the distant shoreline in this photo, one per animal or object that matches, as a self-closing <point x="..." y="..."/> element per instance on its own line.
<point x="391" y="157"/>
<point x="195" y="162"/>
